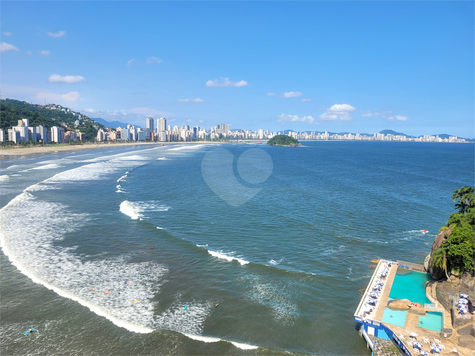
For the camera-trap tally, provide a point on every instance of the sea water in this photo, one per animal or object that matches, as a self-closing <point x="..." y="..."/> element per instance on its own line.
<point x="84" y="234"/>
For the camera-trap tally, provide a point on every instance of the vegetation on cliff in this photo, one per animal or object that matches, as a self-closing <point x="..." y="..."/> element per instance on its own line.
<point x="457" y="252"/>
<point x="283" y="140"/>
<point x="13" y="110"/>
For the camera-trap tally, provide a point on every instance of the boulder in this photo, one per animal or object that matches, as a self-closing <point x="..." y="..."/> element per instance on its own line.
<point x="426" y="262"/>
<point x="399" y="304"/>
<point x="467" y="341"/>
<point x="442" y="236"/>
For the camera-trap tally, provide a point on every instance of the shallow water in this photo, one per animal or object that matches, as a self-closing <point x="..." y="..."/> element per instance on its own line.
<point x="285" y="266"/>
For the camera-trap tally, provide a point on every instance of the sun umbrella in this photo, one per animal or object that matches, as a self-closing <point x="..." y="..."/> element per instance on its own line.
<point x="413" y="334"/>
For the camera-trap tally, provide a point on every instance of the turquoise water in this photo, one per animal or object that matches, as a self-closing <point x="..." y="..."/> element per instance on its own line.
<point x="285" y="267"/>
<point x="395" y="317"/>
<point x="432" y="321"/>
<point x="410" y="285"/>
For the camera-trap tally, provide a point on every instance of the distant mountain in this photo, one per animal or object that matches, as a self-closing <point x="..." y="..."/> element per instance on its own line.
<point x="111" y="124"/>
<point x="392" y="132"/>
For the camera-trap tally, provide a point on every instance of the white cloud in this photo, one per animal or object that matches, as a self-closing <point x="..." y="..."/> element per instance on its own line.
<point x="91" y="111"/>
<point x="294" y="118"/>
<point x="45" y="53"/>
<point x="371" y="114"/>
<point x="129" y="62"/>
<point x="29" y="53"/>
<point x="151" y="60"/>
<point x="271" y="94"/>
<point x="398" y="118"/>
<point x="70" y="79"/>
<point x="291" y="94"/>
<point x="72" y="96"/>
<point x="225" y="82"/>
<point x="7" y="47"/>
<point x="338" y="112"/>
<point x="58" y="34"/>
<point x="7" y="33"/>
<point x="306" y="99"/>
<point x="197" y="100"/>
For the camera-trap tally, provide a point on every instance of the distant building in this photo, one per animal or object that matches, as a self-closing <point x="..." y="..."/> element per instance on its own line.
<point x="2" y="135"/>
<point x="100" y="135"/>
<point x="14" y="136"/>
<point x="42" y="133"/>
<point x="150" y="126"/>
<point x="57" y="134"/>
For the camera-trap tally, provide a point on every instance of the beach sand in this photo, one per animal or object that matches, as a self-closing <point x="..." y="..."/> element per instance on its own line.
<point x="24" y="151"/>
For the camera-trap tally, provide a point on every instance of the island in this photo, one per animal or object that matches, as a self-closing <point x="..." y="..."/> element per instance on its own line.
<point x="283" y="140"/>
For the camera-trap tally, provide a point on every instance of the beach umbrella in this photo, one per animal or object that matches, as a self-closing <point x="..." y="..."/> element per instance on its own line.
<point x="413" y="334"/>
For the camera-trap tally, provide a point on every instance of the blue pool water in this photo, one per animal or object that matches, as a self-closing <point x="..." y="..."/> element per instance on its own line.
<point x="395" y="317"/>
<point x="410" y="285"/>
<point x="433" y="321"/>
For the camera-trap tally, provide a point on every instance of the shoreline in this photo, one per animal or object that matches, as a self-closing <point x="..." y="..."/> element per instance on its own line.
<point x="27" y="151"/>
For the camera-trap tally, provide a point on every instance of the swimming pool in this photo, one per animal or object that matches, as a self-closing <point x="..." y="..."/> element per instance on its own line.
<point x="395" y="317"/>
<point x="410" y="285"/>
<point x="433" y="321"/>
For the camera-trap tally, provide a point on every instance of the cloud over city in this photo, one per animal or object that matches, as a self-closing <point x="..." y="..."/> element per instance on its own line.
<point x="72" y="96"/>
<point x="338" y="112"/>
<point x="197" y="100"/>
<point x="45" y="53"/>
<point x="57" y="34"/>
<point x="225" y="82"/>
<point x="69" y="79"/>
<point x="7" y="47"/>
<point x="151" y="60"/>
<point x="295" y="118"/>
<point x="398" y="118"/>
<point x="291" y="94"/>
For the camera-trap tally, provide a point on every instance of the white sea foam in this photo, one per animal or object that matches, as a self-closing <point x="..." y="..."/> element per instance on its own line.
<point x="137" y="209"/>
<point x="227" y="257"/>
<point x="162" y="159"/>
<point x="68" y="275"/>
<point x="186" y="147"/>
<point x="208" y="339"/>
<point x="4" y="178"/>
<point x="124" y="177"/>
<point x="48" y="166"/>
<point x="277" y="297"/>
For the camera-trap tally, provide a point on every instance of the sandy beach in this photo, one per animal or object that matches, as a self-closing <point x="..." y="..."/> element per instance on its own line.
<point x="24" y="151"/>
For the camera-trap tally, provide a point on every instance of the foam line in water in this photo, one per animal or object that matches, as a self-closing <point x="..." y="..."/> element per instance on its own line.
<point x="208" y="339"/>
<point x="136" y="210"/>
<point x="186" y="147"/>
<point x="226" y="257"/>
<point x="4" y="178"/>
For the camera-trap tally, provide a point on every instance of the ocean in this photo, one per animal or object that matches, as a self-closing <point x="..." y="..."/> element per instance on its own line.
<point x="211" y="249"/>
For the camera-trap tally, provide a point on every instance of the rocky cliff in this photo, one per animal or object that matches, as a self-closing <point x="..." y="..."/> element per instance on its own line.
<point x="437" y="273"/>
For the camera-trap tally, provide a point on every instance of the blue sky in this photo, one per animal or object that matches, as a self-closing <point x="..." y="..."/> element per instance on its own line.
<point x="336" y="66"/>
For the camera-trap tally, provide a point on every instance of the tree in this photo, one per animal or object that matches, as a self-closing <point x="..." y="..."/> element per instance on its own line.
<point x="440" y="260"/>
<point x="457" y="253"/>
<point x="465" y="198"/>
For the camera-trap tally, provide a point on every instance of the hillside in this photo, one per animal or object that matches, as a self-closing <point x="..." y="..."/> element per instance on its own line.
<point x="47" y="115"/>
<point x="283" y="140"/>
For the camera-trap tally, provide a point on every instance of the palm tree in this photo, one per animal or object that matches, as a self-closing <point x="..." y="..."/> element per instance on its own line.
<point x="440" y="260"/>
<point x="465" y="197"/>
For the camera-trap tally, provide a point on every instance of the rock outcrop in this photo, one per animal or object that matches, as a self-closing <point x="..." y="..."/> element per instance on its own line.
<point x="399" y="304"/>
<point x="437" y="273"/>
<point x="467" y="341"/>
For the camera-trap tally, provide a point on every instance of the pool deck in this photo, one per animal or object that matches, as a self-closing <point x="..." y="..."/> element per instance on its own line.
<point x="425" y="336"/>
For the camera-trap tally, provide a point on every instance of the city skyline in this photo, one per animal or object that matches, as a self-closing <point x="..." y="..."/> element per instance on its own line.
<point x="316" y="66"/>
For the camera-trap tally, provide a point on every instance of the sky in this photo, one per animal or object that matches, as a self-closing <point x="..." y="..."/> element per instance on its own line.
<point x="306" y="66"/>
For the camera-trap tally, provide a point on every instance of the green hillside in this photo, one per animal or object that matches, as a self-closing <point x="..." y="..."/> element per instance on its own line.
<point x="13" y="110"/>
<point x="283" y="140"/>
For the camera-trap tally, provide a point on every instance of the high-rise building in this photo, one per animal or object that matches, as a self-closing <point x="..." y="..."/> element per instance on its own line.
<point x="57" y="134"/>
<point x="42" y="133"/>
<point x="150" y="127"/>
<point x="2" y="135"/>
<point x="161" y="129"/>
